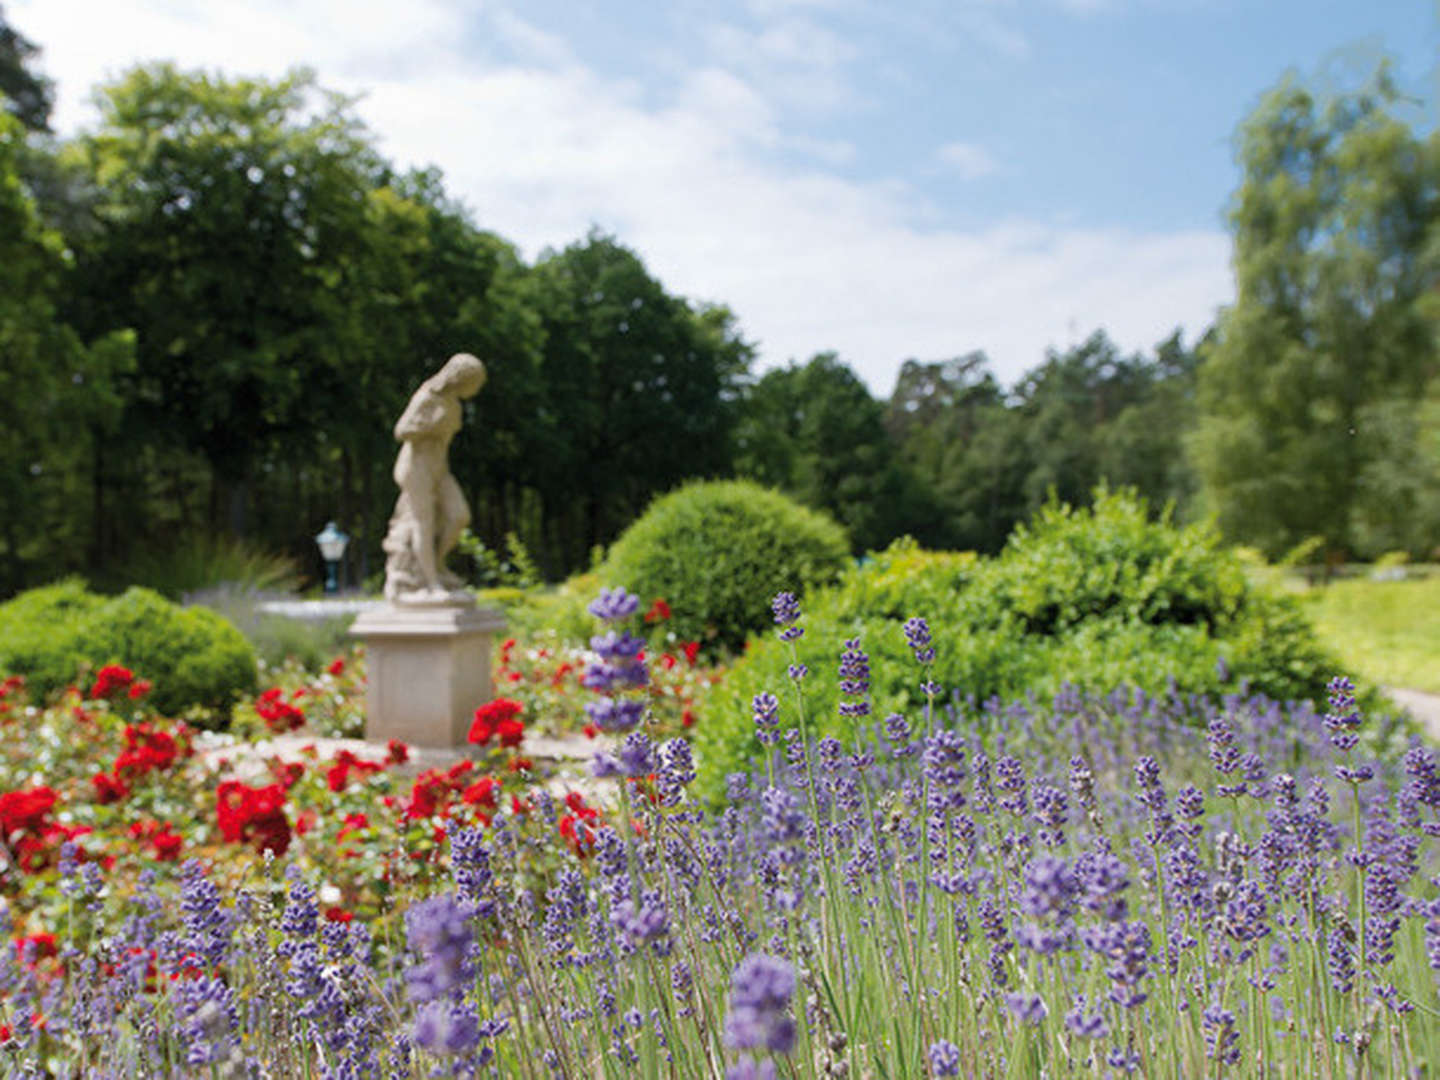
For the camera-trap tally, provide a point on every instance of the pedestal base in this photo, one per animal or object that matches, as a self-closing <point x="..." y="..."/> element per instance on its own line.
<point x="429" y="669"/>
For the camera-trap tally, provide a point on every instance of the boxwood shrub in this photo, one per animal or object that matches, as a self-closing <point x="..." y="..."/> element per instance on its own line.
<point x="717" y="551"/>
<point x="1095" y="598"/>
<point x="58" y="634"/>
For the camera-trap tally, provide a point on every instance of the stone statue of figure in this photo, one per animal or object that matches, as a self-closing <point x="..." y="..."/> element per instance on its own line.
<point x="431" y="512"/>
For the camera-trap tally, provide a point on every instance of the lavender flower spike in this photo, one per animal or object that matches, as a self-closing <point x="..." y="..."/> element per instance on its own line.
<point x="787" y="609"/>
<point x="614" y="604"/>
<point x="760" y="992"/>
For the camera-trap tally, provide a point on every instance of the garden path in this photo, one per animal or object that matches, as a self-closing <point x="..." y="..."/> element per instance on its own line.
<point x="1424" y="707"/>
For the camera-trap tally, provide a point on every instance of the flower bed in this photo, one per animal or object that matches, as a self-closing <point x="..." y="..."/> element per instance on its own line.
<point x="1159" y="886"/>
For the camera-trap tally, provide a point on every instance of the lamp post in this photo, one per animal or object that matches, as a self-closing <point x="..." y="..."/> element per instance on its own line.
<point x="331" y="542"/>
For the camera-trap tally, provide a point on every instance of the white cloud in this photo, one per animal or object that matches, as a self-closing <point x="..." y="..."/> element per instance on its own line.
<point x="970" y="160"/>
<point x="542" y="147"/>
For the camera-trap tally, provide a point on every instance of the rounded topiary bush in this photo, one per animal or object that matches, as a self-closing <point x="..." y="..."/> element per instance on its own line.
<point x="38" y="631"/>
<point x="194" y="656"/>
<point x="717" y="551"/>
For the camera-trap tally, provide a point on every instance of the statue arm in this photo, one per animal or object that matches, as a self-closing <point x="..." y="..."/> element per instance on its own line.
<point x="424" y="414"/>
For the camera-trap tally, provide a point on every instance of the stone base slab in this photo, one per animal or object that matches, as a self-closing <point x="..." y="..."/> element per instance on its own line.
<point x="428" y="670"/>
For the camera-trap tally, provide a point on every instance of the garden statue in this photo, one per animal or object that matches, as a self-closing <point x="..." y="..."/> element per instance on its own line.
<point x="431" y="512"/>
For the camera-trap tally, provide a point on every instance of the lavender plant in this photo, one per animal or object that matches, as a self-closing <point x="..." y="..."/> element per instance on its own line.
<point x="1167" y="888"/>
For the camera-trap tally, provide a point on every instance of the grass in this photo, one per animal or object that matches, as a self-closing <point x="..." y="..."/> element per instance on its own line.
<point x="1389" y="631"/>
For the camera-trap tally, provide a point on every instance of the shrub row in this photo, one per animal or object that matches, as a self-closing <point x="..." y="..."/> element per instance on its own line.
<point x="1094" y="598"/>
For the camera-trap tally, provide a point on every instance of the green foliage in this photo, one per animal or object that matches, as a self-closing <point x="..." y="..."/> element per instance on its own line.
<point x="814" y="432"/>
<point x="276" y="639"/>
<point x="1097" y="598"/>
<point x="1085" y="416"/>
<point x="24" y="93"/>
<point x="718" y="551"/>
<point x="491" y="570"/>
<point x="1069" y="566"/>
<point x="559" y="610"/>
<point x="60" y="633"/>
<point x="639" y="392"/>
<point x="204" y="562"/>
<point x="1313" y="394"/>
<point x="38" y="628"/>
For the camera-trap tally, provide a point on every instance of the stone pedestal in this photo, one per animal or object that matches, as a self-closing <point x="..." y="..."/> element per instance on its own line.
<point x="429" y="669"/>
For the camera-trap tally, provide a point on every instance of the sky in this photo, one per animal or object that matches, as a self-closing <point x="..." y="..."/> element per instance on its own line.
<point x="888" y="179"/>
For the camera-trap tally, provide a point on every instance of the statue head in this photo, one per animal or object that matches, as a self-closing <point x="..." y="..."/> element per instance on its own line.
<point x="462" y="375"/>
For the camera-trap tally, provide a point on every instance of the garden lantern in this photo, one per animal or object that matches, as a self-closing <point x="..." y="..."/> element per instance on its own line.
<point x="332" y="544"/>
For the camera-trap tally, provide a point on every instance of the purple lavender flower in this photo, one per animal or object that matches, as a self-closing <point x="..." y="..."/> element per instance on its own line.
<point x="747" y="1068"/>
<point x="1010" y="779"/>
<point x="438" y="929"/>
<point x="470" y="866"/>
<point x="1050" y="813"/>
<point x="1083" y="1025"/>
<point x="767" y="718"/>
<point x="1343" y="720"/>
<point x="445" y="1027"/>
<point x="854" y="680"/>
<point x="944" y="1058"/>
<point x="677" y="770"/>
<point x="917" y="634"/>
<point x="1049" y="887"/>
<point x="1220" y="1035"/>
<point x="943" y="759"/>
<point x="787" y="610"/>
<point x="758" y="1017"/>
<point x="897" y="734"/>
<point x="1027" y="1008"/>
<point x="614" y="604"/>
<point x="615" y="714"/>
<point x="647" y="922"/>
<point x="637" y="755"/>
<point x="1341" y="964"/>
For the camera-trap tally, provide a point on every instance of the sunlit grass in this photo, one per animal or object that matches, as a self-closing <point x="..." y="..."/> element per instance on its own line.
<point x="1388" y="631"/>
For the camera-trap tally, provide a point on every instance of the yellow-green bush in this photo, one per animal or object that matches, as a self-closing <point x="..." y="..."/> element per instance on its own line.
<point x="1096" y="598"/>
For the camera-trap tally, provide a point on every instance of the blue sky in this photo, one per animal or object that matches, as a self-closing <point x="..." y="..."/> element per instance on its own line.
<point x="887" y="180"/>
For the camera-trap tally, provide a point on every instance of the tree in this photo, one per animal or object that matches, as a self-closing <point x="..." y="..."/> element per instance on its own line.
<point x="815" y="432"/>
<point x="56" y="388"/>
<point x="640" y="392"/>
<point x="28" y="96"/>
<point x="230" y="212"/>
<point x="1335" y="261"/>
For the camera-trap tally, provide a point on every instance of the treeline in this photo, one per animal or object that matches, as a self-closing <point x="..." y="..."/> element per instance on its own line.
<point x="215" y="303"/>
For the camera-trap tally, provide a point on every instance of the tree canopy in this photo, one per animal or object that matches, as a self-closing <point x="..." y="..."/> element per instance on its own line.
<point x="1313" y="393"/>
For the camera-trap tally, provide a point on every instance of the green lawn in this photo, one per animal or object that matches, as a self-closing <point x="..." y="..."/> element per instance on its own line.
<point x="1389" y="631"/>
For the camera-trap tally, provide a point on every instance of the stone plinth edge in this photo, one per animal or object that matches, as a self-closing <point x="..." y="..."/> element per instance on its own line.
<point x="417" y="620"/>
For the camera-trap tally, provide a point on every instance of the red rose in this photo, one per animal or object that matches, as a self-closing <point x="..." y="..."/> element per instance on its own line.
<point x="110" y="680"/>
<point x="167" y="845"/>
<point x="484" y="792"/>
<point x="108" y="789"/>
<point x="511" y="732"/>
<point x="659" y="611"/>
<point x="491" y="717"/>
<point x="337" y="666"/>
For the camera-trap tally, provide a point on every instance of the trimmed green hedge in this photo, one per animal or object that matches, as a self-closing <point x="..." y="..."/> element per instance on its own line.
<point x="60" y="633"/>
<point x="717" y="551"/>
<point x="1097" y="598"/>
